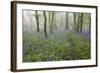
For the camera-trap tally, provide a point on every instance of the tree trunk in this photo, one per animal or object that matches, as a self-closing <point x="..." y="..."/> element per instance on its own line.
<point x="78" y="23"/>
<point x="66" y="26"/>
<point x="30" y="18"/>
<point x="52" y="20"/>
<point x="81" y="22"/>
<point x="89" y="23"/>
<point x="37" y="21"/>
<point x="45" y="24"/>
<point x="49" y="18"/>
<point x="74" y="14"/>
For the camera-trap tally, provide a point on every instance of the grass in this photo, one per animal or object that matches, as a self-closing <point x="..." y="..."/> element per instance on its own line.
<point x="72" y="48"/>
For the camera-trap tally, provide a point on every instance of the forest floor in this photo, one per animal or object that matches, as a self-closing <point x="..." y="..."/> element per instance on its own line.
<point x="58" y="46"/>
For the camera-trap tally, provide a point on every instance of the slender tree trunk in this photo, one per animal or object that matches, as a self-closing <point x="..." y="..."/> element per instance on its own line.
<point x="66" y="26"/>
<point x="30" y="17"/>
<point x="74" y="14"/>
<point x="81" y="22"/>
<point x="45" y="24"/>
<point x="37" y="21"/>
<point x="89" y="23"/>
<point x="52" y="20"/>
<point x="49" y="18"/>
<point x="78" y="24"/>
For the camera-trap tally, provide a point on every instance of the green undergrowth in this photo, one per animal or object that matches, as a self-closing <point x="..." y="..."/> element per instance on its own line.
<point x="73" y="48"/>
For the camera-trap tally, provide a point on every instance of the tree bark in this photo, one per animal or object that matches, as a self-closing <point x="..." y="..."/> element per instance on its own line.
<point x="37" y="21"/>
<point x="78" y="24"/>
<point x="45" y="24"/>
<point x="52" y="20"/>
<point x="66" y="26"/>
<point x="49" y="18"/>
<point x="89" y="23"/>
<point x="75" y="28"/>
<point x="81" y="22"/>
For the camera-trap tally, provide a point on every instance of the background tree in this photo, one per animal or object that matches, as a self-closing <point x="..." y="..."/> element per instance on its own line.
<point x="66" y="25"/>
<point x="30" y="22"/>
<point x="74" y="15"/>
<point x="52" y="22"/>
<point x="89" y="17"/>
<point x="76" y="21"/>
<point x="49" y="18"/>
<point x="37" y="21"/>
<point x="45" y="24"/>
<point x="81" y="22"/>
